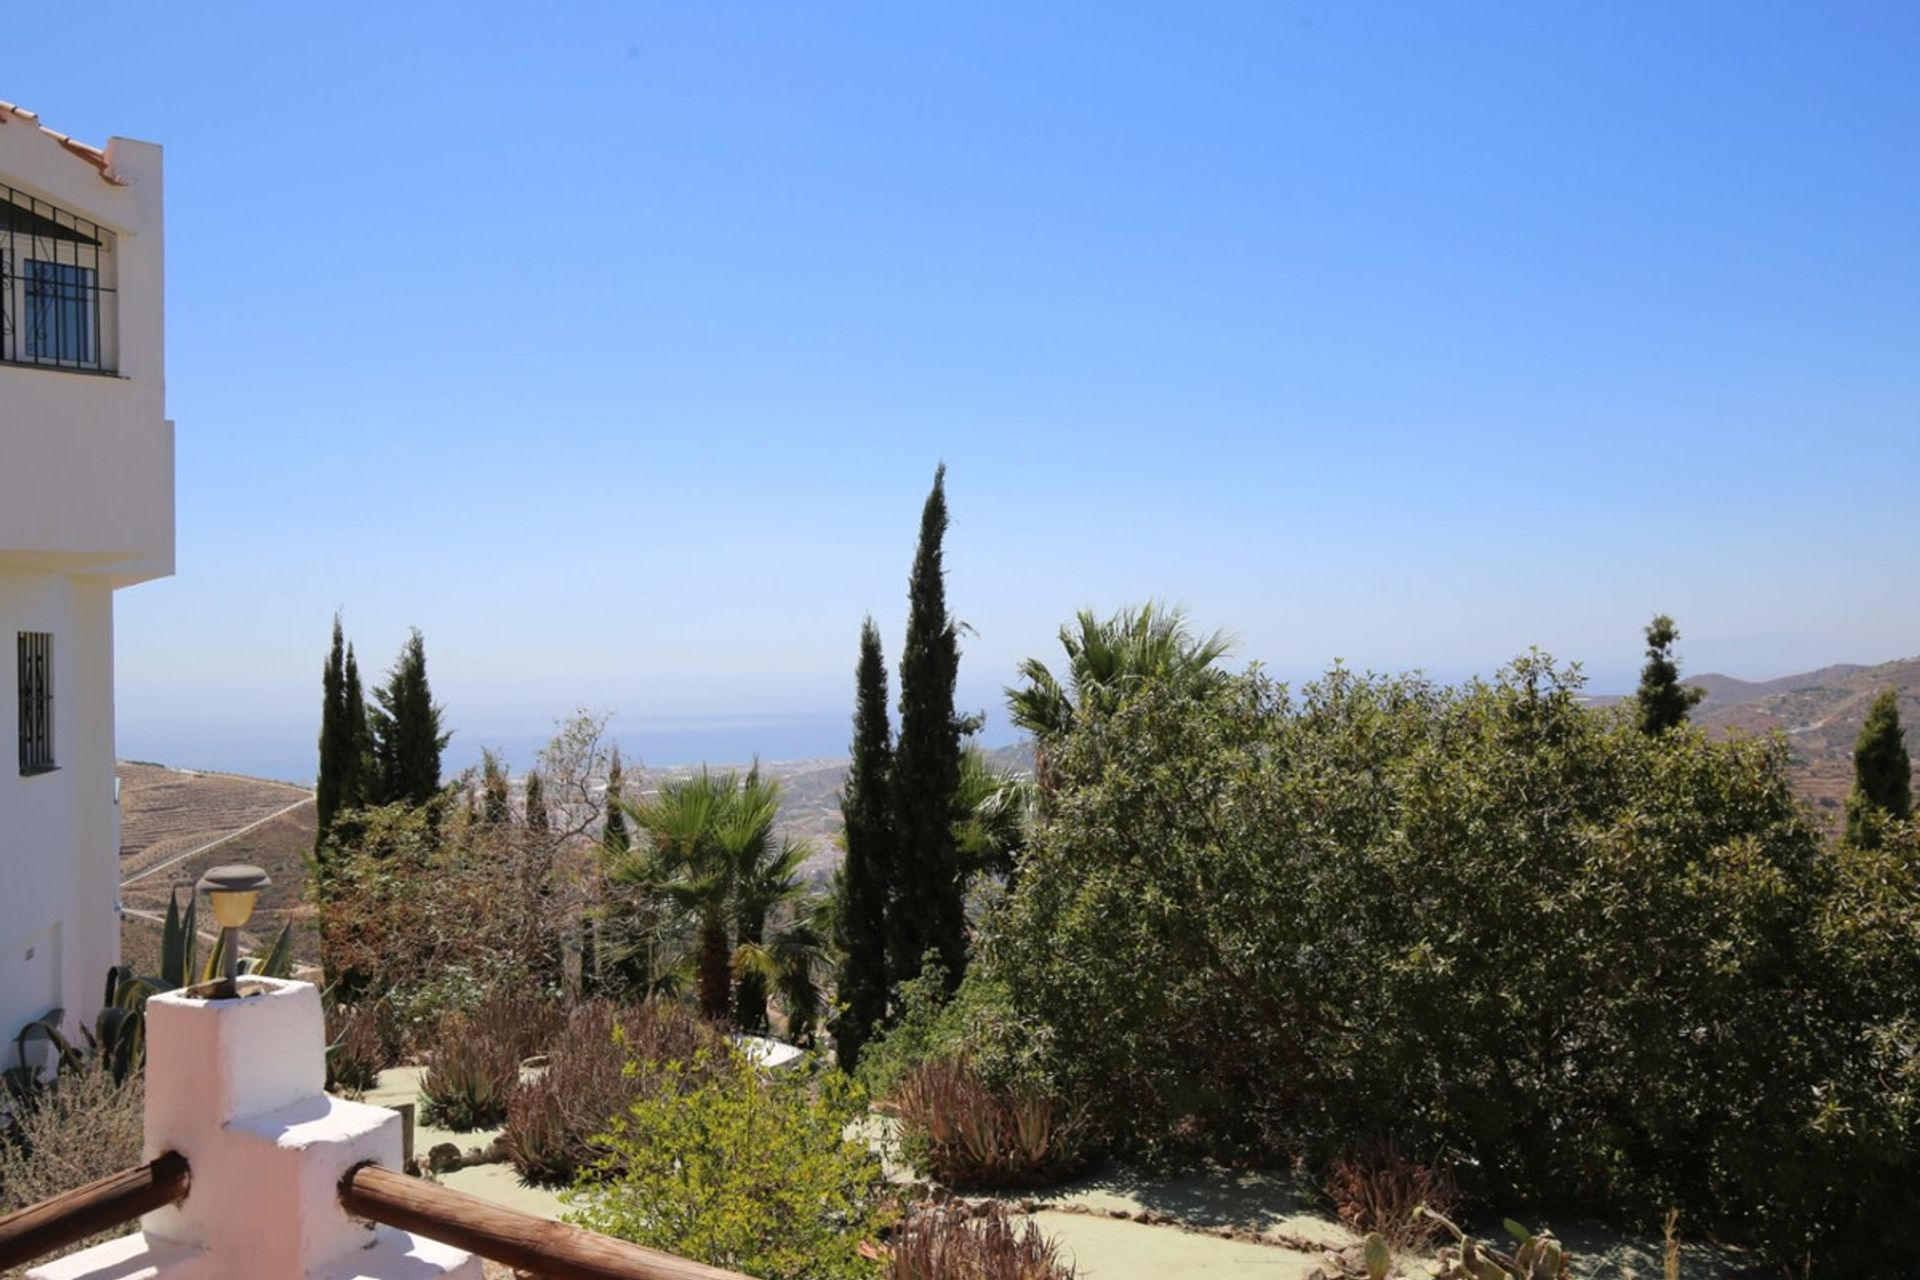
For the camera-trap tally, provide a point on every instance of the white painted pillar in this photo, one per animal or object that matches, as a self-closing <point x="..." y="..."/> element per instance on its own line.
<point x="238" y="1088"/>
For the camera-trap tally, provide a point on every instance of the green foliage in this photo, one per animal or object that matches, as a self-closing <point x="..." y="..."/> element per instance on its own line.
<point x="1882" y="773"/>
<point x="536" y="803"/>
<point x="866" y="812"/>
<point x="1662" y="702"/>
<point x="995" y="805"/>
<point x="976" y="1019"/>
<point x="1108" y="660"/>
<point x="336" y="737"/>
<point x="614" y="835"/>
<point x="1595" y="965"/>
<point x="926" y="909"/>
<point x="711" y="857"/>
<point x="406" y="732"/>
<point x="494" y="809"/>
<point x="741" y="1170"/>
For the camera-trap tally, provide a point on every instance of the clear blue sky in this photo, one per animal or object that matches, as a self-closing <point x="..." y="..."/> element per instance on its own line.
<point x="614" y="346"/>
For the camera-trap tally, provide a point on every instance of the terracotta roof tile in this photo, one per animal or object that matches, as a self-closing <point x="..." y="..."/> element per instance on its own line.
<point x="92" y="155"/>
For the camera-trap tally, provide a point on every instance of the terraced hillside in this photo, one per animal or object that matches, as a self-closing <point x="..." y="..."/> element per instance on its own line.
<point x="1819" y="711"/>
<point x="176" y="823"/>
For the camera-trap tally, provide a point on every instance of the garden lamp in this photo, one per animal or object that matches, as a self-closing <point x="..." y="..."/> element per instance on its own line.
<point x="233" y="889"/>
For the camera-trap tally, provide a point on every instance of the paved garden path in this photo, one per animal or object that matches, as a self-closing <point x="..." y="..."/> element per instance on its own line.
<point x="1106" y="1247"/>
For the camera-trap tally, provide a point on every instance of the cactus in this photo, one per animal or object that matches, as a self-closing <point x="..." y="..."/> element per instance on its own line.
<point x="1535" y="1256"/>
<point x="1379" y="1257"/>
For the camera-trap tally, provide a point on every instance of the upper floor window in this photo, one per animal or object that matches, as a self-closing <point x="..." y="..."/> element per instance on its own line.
<point x="36" y="701"/>
<point x="56" y="294"/>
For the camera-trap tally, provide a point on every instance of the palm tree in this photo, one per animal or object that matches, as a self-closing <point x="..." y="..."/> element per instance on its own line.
<point x="1108" y="660"/>
<point x="995" y="805"/>
<point x="709" y="853"/>
<point x="679" y="863"/>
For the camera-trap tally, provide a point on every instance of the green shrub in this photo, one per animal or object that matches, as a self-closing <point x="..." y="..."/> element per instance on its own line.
<point x="968" y="1133"/>
<point x="977" y="1019"/>
<point x="602" y="1058"/>
<point x="743" y="1170"/>
<point x="1607" y="969"/>
<point x="947" y="1242"/>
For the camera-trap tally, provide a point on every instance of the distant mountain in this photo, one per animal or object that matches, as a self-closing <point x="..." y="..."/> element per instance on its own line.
<point x="1819" y="711"/>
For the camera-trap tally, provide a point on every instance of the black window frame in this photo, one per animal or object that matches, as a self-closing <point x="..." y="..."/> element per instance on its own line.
<point x="34" y="678"/>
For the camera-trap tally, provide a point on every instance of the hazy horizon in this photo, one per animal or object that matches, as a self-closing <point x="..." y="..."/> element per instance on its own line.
<point x="287" y="750"/>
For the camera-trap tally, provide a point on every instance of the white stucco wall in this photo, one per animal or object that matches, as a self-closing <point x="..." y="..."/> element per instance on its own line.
<point x="86" y="507"/>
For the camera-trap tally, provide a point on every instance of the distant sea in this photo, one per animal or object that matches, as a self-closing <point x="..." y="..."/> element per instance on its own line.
<point x="287" y="752"/>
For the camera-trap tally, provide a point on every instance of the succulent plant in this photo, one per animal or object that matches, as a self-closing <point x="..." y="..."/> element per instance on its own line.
<point x="1535" y="1256"/>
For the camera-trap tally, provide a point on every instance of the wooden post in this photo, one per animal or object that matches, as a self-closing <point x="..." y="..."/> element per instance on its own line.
<point x="553" y="1250"/>
<point x="38" y="1230"/>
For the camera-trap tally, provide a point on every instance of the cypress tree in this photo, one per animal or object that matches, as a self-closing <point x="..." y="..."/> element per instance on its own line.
<point x="1663" y="700"/>
<point x="358" y="786"/>
<point x="614" y="834"/>
<point x="407" y="739"/>
<point x="926" y="911"/>
<point x="336" y="739"/>
<point x="493" y="790"/>
<point x="1882" y="773"/>
<point x="866" y="812"/>
<point x="536" y="803"/>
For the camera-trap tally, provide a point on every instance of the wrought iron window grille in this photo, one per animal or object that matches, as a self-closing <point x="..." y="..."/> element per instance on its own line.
<point x="57" y="302"/>
<point x="36" y="701"/>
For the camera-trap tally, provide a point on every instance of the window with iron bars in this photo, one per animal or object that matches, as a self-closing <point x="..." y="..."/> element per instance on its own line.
<point x="36" y="701"/>
<point x="56" y="298"/>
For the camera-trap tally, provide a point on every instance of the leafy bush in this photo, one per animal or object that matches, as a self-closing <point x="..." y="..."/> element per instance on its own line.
<point x="727" y="1166"/>
<point x="977" y="1019"/>
<point x="945" y="1242"/>
<point x="82" y="1128"/>
<point x="1376" y="1189"/>
<point x="601" y="1059"/>
<point x="967" y="1133"/>
<point x="1605" y="968"/>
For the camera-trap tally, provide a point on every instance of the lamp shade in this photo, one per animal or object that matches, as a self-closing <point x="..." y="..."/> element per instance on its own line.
<point x="233" y="890"/>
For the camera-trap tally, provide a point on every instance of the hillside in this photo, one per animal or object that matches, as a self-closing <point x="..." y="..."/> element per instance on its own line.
<point x="176" y="823"/>
<point x="1820" y="712"/>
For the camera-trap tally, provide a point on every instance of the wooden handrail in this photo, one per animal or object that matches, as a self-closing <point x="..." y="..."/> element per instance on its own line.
<point x="37" y="1230"/>
<point x="554" y="1250"/>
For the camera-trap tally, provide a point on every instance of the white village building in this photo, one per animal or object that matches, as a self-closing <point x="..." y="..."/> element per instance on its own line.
<point x="86" y="508"/>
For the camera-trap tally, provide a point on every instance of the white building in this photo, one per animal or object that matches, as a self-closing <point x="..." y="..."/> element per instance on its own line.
<point x="86" y="507"/>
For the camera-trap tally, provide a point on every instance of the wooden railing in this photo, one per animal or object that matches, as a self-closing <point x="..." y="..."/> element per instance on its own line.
<point x="549" y="1249"/>
<point x="39" y="1229"/>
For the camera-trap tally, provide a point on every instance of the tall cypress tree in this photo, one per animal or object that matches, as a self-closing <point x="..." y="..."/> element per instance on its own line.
<point x="926" y="907"/>
<point x="407" y="739"/>
<point x="536" y="802"/>
<point x="358" y="786"/>
<point x="1882" y="772"/>
<point x="613" y="835"/>
<point x="493" y="790"/>
<point x="866" y="812"/>
<point x="1663" y="700"/>
<point x="336" y="739"/>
